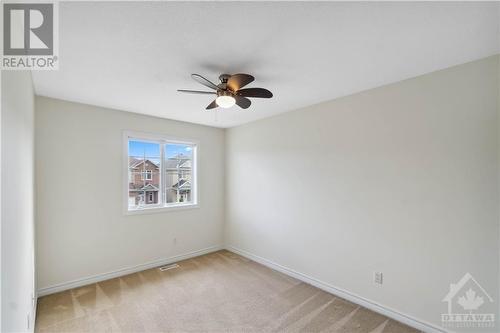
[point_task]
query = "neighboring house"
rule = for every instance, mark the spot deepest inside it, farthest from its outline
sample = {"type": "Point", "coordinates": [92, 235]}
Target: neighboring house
{"type": "Point", "coordinates": [179, 178]}
{"type": "Point", "coordinates": [144, 182]}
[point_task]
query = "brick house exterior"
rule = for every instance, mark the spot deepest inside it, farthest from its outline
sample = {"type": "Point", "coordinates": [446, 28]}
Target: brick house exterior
{"type": "Point", "coordinates": [144, 181]}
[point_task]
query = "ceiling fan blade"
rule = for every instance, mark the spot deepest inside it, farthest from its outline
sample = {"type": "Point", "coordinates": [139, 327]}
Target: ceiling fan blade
{"type": "Point", "coordinates": [238, 81]}
{"type": "Point", "coordinates": [211, 105]}
{"type": "Point", "coordinates": [242, 102]}
{"type": "Point", "coordinates": [197, 92]}
{"type": "Point", "coordinates": [200, 79]}
{"type": "Point", "coordinates": [255, 92]}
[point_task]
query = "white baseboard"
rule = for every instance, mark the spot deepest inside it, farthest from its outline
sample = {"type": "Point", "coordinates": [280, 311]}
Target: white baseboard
{"type": "Point", "coordinates": [374, 306]}
{"type": "Point", "coordinates": [121, 272]}
{"type": "Point", "coordinates": [33, 316]}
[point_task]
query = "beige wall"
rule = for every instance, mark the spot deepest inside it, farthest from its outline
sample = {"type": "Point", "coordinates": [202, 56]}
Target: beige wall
{"type": "Point", "coordinates": [17, 202]}
{"type": "Point", "coordinates": [401, 179]}
{"type": "Point", "coordinates": [81, 228]}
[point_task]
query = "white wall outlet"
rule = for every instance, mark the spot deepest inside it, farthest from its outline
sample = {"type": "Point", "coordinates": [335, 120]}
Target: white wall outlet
{"type": "Point", "coordinates": [174, 240]}
{"type": "Point", "coordinates": [378, 277]}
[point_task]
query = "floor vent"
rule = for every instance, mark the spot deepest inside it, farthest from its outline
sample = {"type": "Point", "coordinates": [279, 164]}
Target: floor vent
{"type": "Point", "coordinates": [166, 268]}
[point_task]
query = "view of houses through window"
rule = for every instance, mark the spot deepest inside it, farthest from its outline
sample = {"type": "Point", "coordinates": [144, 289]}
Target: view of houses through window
{"type": "Point", "coordinates": [159, 173]}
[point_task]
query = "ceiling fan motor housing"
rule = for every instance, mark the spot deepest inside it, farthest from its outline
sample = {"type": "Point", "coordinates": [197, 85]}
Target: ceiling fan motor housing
{"type": "Point", "coordinates": [224, 77]}
{"type": "Point", "coordinates": [223, 81]}
{"type": "Point", "coordinates": [224, 93]}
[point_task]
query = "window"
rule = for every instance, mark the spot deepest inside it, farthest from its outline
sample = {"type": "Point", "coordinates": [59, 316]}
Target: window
{"type": "Point", "coordinates": [161, 172]}
{"type": "Point", "coordinates": [147, 175]}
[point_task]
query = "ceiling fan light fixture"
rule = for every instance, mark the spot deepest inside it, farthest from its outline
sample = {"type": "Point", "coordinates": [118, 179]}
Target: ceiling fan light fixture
{"type": "Point", "coordinates": [225, 101]}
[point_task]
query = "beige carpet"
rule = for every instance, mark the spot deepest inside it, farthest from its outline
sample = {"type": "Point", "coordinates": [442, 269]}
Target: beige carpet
{"type": "Point", "coordinates": [217, 292]}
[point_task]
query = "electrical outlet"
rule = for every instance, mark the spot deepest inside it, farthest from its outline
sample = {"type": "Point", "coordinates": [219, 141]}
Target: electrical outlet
{"type": "Point", "coordinates": [174, 240]}
{"type": "Point", "coordinates": [378, 278]}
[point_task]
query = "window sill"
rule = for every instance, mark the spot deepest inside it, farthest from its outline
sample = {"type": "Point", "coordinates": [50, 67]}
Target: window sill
{"type": "Point", "coordinates": [161, 209]}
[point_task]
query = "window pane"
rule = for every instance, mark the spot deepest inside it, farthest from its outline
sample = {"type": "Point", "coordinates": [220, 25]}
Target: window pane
{"type": "Point", "coordinates": [178, 173]}
{"type": "Point", "coordinates": [144, 174]}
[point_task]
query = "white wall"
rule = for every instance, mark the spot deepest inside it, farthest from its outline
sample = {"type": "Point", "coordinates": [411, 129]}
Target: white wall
{"type": "Point", "coordinates": [400, 179]}
{"type": "Point", "coordinates": [81, 228]}
{"type": "Point", "coordinates": [17, 200]}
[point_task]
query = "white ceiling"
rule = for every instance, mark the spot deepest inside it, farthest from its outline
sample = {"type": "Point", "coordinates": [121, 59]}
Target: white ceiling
{"type": "Point", "coordinates": [132, 56]}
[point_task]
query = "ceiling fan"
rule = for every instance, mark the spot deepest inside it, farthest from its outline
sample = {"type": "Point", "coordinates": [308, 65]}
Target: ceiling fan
{"type": "Point", "coordinates": [229, 91]}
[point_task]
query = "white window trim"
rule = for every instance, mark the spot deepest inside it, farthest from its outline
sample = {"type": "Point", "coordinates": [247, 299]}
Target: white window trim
{"type": "Point", "coordinates": [146, 173]}
{"type": "Point", "coordinates": [159, 208]}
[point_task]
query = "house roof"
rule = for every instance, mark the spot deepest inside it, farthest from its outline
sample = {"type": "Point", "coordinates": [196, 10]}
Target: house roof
{"type": "Point", "coordinates": [179, 161]}
{"type": "Point", "coordinates": [135, 162]}
{"type": "Point", "coordinates": [183, 184]}
{"type": "Point", "coordinates": [149, 187]}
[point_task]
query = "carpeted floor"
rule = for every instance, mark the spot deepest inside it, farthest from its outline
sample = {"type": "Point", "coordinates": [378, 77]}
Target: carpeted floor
{"type": "Point", "coordinates": [217, 292]}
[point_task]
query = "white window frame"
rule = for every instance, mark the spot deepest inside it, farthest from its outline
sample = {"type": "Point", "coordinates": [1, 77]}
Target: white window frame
{"type": "Point", "coordinates": [147, 175]}
{"type": "Point", "coordinates": [162, 206]}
